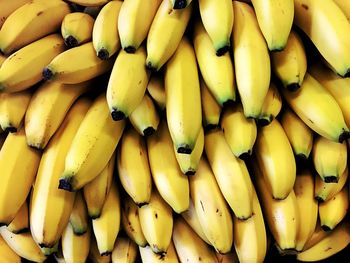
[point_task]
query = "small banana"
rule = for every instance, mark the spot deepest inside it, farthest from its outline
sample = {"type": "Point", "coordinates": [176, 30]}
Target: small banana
{"type": "Point", "coordinates": [147, 255]}
{"type": "Point", "coordinates": [8, 8]}
{"type": "Point", "coordinates": [7, 254]}
{"type": "Point", "coordinates": [211, 110]}
{"type": "Point", "coordinates": [20, 223]}
{"type": "Point", "coordinates": [156, 90]}
{"type": "Point", "coordinates": [79, 217]}
{"type": "Point", "coordinates": [271, 107]}
{"type": "Point", "coordinates": [179, 4]}
{"type": "Point", "coordinates": [125, 251]}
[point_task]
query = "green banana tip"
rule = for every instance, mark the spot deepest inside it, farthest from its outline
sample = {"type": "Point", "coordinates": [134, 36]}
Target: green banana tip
{"type": "Point", "coordinates": [79, 231]}
{"type": "Point", "coordinates": [71, 42]}
{"type": "Point", "coordinates": [180, 4]}
{"type": "Point", "coordinates": [103, 54]}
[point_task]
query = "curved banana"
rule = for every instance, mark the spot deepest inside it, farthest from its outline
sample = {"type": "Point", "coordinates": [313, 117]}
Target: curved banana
{"type": "Point", "coordinates": [316, 236]}
{"type": "Point", "coordinates": [125, 251]}
{"type": "Point", "coordinates": [18, 72]}
{"type": "Point", "coordinates": [7, 254]}
{"type": "Point", "coordinates": [94, 254]}
{"type": "Point", "coordinates": [20, 223]}
{"type": "Point", "coordinates": [165, 34]}
{"type": "Point", "coordinates": [251, 58]}
{"type": "Point", "coordinates": [8, 7]}
{"type": "Point", "coordinates": [271, 107]}
{"type": "Point", "coordinates": [345, 7]}
{"type": "Point", "coordinates": [147, 255]}
{"type": "Point", "coordinates": [156, 90]}
{"type": "Point", "coordinates": [180, 4]}
{"type": "Point", "coordinates": [79, 217]}
{"type": "Point", "coordinates": [90, 2]}
{"type": "Point", "coordinates": [183, 101]}
{"type": "Point", "coordinates": [92, 147]}
{"type": "Point", "coordinates": [211, 110]}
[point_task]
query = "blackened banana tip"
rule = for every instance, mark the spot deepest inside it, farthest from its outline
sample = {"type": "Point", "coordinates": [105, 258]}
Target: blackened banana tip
{"type": "Point", "coordinates": [190, 173]}
{"type": "Point", "coordinates": [293, 87]}
{"type": "Point", "coordinates": [245, 156]}
{"type": "Point", "coordinates": [71, 42]}
{"type": "Point", "coordinates": [263, 122]}
{"type": "Point", "coordinates": [326, 228]}
{"type": "Point", "coordinates": [221, 51]}
{"type": "Point", "coordinates": [184, 149]}
{"type": "Point", "coordinates": [330, 179]}
{"type": "Point", "coordinates": [118, 115]}
{"type": "Point", "coordinates": [11, 129]}
{"type": "Point", "coordinates": [65, 184]}
{"type": "Point", "coordinates": [228, 103]}
{"type": "Point", "coordinates": [103, 54]}
{"type": "Point", "coordinates": [319, 199]}
{"type": "Point", "coordinates": [179, 4]}
{"type": "Point", "coordinates": [344, 136]}
{"type": "Point", "coordinates": [347, 74]}
{"type": "Point", "coordinates": [148, 131]}
{"type": "Point", "coordinates": [151, 67]}
{"type": "Point", "coordinates": [141, 204]}
{"type": "Point", "coordinates": [210, 127]}
{"type": "Point", "coordinates": [130, 49]}
{"type": "Point", "coordinates": [107, 253]}
{"type": "Point", "coordinates": [301, 157]}
{"type": "Point", "coordinates": [47, 74]}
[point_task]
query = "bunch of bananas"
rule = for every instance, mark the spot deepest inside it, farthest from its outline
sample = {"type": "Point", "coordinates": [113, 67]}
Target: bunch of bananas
{"type": "Point", "coordinates": [174, 130]}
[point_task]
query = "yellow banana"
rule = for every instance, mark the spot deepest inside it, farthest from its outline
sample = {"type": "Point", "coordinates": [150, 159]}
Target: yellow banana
{"type": "Point", "coordinates": [211, 110]}
{"type": "Point", "coordinates": [345, 7]}
{"type": "Point", "coordinates": [47, 109]}
{"type": "Point", "coordinates": [271, 107]}
{"type": "Point", "coordinates": [13, 107]}
{"type": "Point", "coordinates": [275, 158]}
{"type": "Point", "coordinates": [31, 22]}
{"type": "Point", "coordinates": [105, 35]}
{"type": "Point", "coordinates": [8, 7]}
{"type": "Point", "coordinates": [231, 174]}
{"type": "Point", "coordinates": [145, 118]}
{"type": "Point", "coordinates": [316, 236]}
{"type": "Point", "coordinates": [125, 251]}
{"type": "Point", "coordinates": [251, 58]}
{"type": "Point", "coordinates": [18, 72]}
{"type": "Point", "coordinates": [20, 223]}
{"type": "Point", "coordinates": [156, 90]}
{"type": "Point", "coordinates": [180, 4]}
{"type": "Point", "coordinates": [7, 254]}
{"type": "Point", "coordinates": [133, 167]}
{"type": "Point", "coordinates": [165, 34]}
{"type": "Point", "coordinates": [217, 71]}
{"type": "Point", "coordinates": [156, 221]}
{"type": "Point", "coordinates": [92, 146]}
{"type": "Point", "coordinates": [240, 132]}
{"type": "Point", "coordinates": [211, 208]}
{"type": "Point", "coordinates": [17, 174]}
{"type": "Point", "coordinates": [79, 216]}
{"type": "Point", "coordinates": [183, 101]}
{"type": "Point", "coordinates": [94, 254]}
{"type": "Point", "coordinates": [322, 21]}
{"type": "Point", "coordinates": [290, 64]}
{"type": "Point", "coordinates": [147, 255]}
{"type": "Point", "coordinates": [90, 2]}
{"type": "Point", "coordinates": [171, 183]}
{"type": "Point", "coordinates": [76, 29]}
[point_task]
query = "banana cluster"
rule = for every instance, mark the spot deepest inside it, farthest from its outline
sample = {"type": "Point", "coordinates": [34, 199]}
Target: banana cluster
{"type": "Point", "coordinates": [173, 130]}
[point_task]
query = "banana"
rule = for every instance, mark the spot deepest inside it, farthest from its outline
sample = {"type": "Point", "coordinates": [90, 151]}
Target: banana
{"type": "Point", "coordinates": [131, 222]}
{"type": "Point", "coordinates": [105, 35]}
{"type": "Point", "coordinates": [251, 58]}
{"type": "Point", "coordinates": [23, 245]}
{"type": "Point", "coordinates": [189, 162]}
{"type": "Point", "coordinates": [79, 216]}
{"type": "Point", "coordinates": [20, 223]}
{"type": "Point", "coordinates": [180, 4]}
{"type": "Point", "coordinates": [336, 241]}
{"type": "Point", "coordinates": [17, 174]}
{"type": "Point", "coordinates": [76, 29]}
{"type": "Point", "coordinates": [317, 236]}
{"type": "Point", "coordinates": [125, 251]}
{"type": "Point", "coordinates": [304, 189]}
{"type": "Point", "coordinates": [13, 107]}
{"type": "Point", "coordinates": [47, 109]}
{"type": "Point", "coordinates": [31, 22]}
{"type": "Point", "coordinates": [231, 174]}
{"type": "Point", "coordinates": [217, 71]}
{"type": "Point", "coordinates": [50, 208]}
{"type": "Point", "coordinates": [300, 136]}
{"type": "Point", "coordinates": [94, 254]}
{"type": "Point", "coordinates": [90, 2]}
{"type": "Point", "coordinates": [106, 227]}
{"type": "Point", "coordinates": [183, 101]}
{"type": "Point", "coordinates": [290, 64]}
{"type": "Point", "coordinates": [92, 146]}
{"type": "Point", "coordinates": [125, 93]}
{"type": "Point", "coordinates": [322, 114]}
{"type": "Point", "coordinates": [15, 74]}
{"type": "Point", "coordinates": [165, 34]}
{"type": "Point", "coordinates": [76, 65]}
{"type": "Point", "coordinates": [134, 22]}
{"type": "Point", "coordinates": [249, 236]}
{"type": "Point", "coordinates": [271, 107]}
{"type": "Point", "coordinates": [333, 211]}
{"type": "Point", "coordinates": [275, 20]}
{"type": "Point", "coordinates": [189, 246]}
{"type": "Point", "coordinates": [345, 7]}
{"type": "Point", "coordinates": [96, 191]}
{"type": "Point", "coordinates": [7, 254]}
{"type": "Point", "coordinates": [171, 183]}
{"type": "Point", "coordinates": [145, 118]}
{"type": "Point", "coordinates": [275, 158]}
{"type": "Point", "coordinates": [8, 7]}
{"type": "Point", "coordinates": [211, 110]}
{"type": "Point", "coordinates": [212, 211]}
{"type": "Point", "coordinates": [156, 222]}
{"type": "Point", "coordinates": [133, 167]}
{"type": "Point", "coordinates": [326, 191]}
{"type": "Point", "coordinates": [156, 90]}
{"type": "Point", "coordinates": [322, 21]}
{"type": "Point", "coordinates": [240, 133]}
{"type": "Point", "coordinates": [147, 255]}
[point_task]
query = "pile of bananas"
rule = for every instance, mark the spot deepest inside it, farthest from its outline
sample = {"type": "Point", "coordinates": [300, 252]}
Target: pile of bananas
{"type": "Point", "coordinates": [174, 130]}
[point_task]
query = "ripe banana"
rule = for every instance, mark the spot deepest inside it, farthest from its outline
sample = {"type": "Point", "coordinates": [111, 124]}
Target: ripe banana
{"type": "Point", "coordinates": [13, 107]}
{"type": "Point", "coordinates": [76, 65]}
{"type": "Point", "coordinates": [276, 161]}
{"type": "Point", "coordinates": [179, 4]}
{"type": "Point", "coordinates": [217, 71]}
{"type": "Point", "coordinates": [231, 174]}
{"type": "Point", "coordinates": [76, 29]}
{"type": "Point", "coordinates": [127, 83]}
{"type": "Point", "coordinates": [133, 168]}
{"type": "Point", "coordinates": [271, 107]}
{"type": "Point", "coordinates": [20, 223]}
{"type": "Point", "coordinates": [94, 254]}
{"type": "Point", "coordinates": [345, 7]}
{"type": "Point", "coordinates": [240, 132]}
{"type": "Point", "coordinates": [134, 21]}
{"type": "Point", "coordinates": [183, 101]}
{"type": "Point", "coordinates": [17, 174]}
{"type": "Point", "coordinates": [156, 221]}
{"type": "Point", "coordinates": [145, 118]}
{"type": "Point", "coordinates": [92, 146]}
{"type": "Point", "coordinates": [50, 208]}
{"type": "Point", "coordinates": [211, 110]}
{"type": "Point", "coordinates": [322, 21]}
{"type": "Point", "coordinates": [7, 254]}
{"type": "Point", "coordinates": [147, 255]}
{"type": "Point", "coordinates": [321, 113]}
{"type": "Point", "coordinates": [47, 109]}
{"type": "Point", "coordinates": [251, 58]}
{"type": "Point", "coordinates": [79, 217]}
{"type": "Point", "coordinates": [156, 90]}
{"type": "Point", "coordinates": [8, 7]}
{"type": "Point", "coordinates": [290, 64]}
{"type": "Point", "coordinates": [105, 35]}
{"type": "Point", "coordinates": [125, 251]}
{"type": "Point", "coordinates": [15, 74]}
{"type": "Point", "coordinates": [171, 183]}
{"type": "Point", "coordinates": [165, 34]}
{"type": "Point", "coordinates": [211, 208]}
{"type": "Point", "coordinates": [31, 22]}
{"type": "Point", "coordinates": [317, 236]}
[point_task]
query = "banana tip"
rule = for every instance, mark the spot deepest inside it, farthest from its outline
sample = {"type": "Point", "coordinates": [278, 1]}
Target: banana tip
{"type": "Point", "coordinates": [180, 4]}
{"type": "Point", "coordinates": [245, 156]}
{"type": "Point", "coordinates": [103, 54]}
{"type": "Point", "coordinates": [130, 49]}
{"type": "Point", "coordinates": [331, 179]}
{"type": "Point", "coordinates": [107, 253]}
{"type": "Point", "coordinates": [184, 149]}
{"type": "Point", "coordinates": [326, 228]}
{"type": "Point", "coordinates": [344, 136]}
{"type": "Point", "coordinates": [293, 87]}
{"type": "Point", "coordinates": [347, 74]}
{"type": "Point", "coordinates": [210, 127]}
{"type": "Point", "coordinates": [117, 115]}
{"type": "Point", "coordinates": [148, 131]}
{"type": "Point", "coordinates": [65, 184]}
{"type": "Point", "coordinates": [71, 42]}
{"type": "Point", "coordinates": [264, 121]}
{"type": "Point", "coordinates": [151, 67]}
{"type": "Point", "coordinates": [222, 50]}
{"type": "Point", "coordinates": [10, 129]}
{"type": "Point", "coordinates": [190, 172]}
{"type": "Point", "coordinates": [47, 74]}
